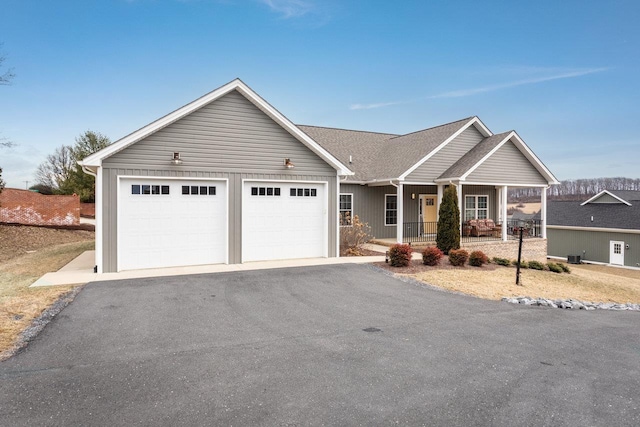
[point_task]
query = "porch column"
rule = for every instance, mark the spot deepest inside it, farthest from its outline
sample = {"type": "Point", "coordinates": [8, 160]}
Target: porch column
{"type": "Point", "coordinates": [439, 200]}
{"type": "Point", "coordinates": [504, 191]}
{"type": "Point", "coordinates": [543, 212]}
{"type": "Point", "coordinates": [460, 206]}
{"type": "Point", "coordinates": [400, 212]}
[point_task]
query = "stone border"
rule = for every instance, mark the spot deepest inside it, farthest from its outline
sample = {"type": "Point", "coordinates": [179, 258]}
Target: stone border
{"type": "Point", "coordinates": [572, 304]}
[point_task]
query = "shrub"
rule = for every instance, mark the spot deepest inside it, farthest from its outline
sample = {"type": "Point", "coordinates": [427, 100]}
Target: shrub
{"type": "Point", "coordinates": [458, 257]}
{"type": "Point", "coordinates": [478, 259]}
{"type": "Point", "coordinates": [523, 264]}
{"type": "Point", "coordinates": [352, 237]}
{"type": "Point", "coordinates": [552, 266]}
{"type": "Point", "coordinates": [564, 267]}
{"type": "Point", "coordinates": [448, 236]}
{"type": "Point", "coordinates": [400, 255]}
{"type": "Point", "coordinates": [501, 261]}
{"type": "Point", "coordinates": [535, 265]}
{"type": "Point", "coordinates": [431, 256]}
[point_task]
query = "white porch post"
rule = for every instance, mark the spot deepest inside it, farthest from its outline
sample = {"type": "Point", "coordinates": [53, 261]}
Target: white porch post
{"type": "Point", "coordinates": [400, 212]}
{"type": "Point", "coordinates": [504, 191]}
{"type": "Point", "coordinates": [543, 212]}
{"type": "Point", "coordinates": [439, 200]}
{"type": "Point", "coordinates": [460, 206]}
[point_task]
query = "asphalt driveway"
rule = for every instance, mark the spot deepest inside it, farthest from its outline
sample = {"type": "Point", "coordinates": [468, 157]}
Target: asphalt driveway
{"type": "Point", "coordinates": [331, 345]}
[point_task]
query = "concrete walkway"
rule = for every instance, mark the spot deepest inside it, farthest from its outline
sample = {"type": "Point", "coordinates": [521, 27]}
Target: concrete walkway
{"type": "Point", "coordinates": [80, 270]}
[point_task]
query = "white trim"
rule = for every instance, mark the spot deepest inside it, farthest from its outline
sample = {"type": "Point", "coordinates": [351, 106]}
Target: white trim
{"type": "Point", "coordinates": [384, 212]}
{"type": "Point", "coordinates": [543, 212]}
{"type": "Point", "coordinates": [496, 184]}
{"type": "Point", "coordinates": [474, 120]}
{"type": "Point", "coordinates": [340, 210]}
{"type": "Point", "coordinates": [504, 198]}
{"type": "Point", "coordinates": [400, 213]}
{"type": "Point", "coordinates": [97, 158]}
{"type": "Point", "coordinates": [598, 229]}
{"type": "Point", "coordinates": [337, 220]}
{"type": "Point", "coordinates": [476, 196]}
{"type": "Point", "coordinates": [418, 183]}
{"type": "Point", "coordinates": [325, 184]}
{"type": "Point", "coordinates": [600, 194]}
{"type": "Point", "coordinates": [166, 178]}
{"type": "Point", "coordinates": [99, 221]}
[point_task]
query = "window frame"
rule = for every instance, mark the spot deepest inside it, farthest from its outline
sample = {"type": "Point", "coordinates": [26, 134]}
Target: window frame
{"type": "Point", "coordinates": [350, 210]}
{"type": "Point", "coordinates": [390, 210]}
{"type": "Point", "coordinates": [476, 207]}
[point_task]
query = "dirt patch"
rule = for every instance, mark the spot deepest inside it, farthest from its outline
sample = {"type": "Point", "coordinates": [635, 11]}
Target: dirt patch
{"type": "Point", "coordinates": [18, 240]}
{"type": "Point", "coordinates": [363, 252]}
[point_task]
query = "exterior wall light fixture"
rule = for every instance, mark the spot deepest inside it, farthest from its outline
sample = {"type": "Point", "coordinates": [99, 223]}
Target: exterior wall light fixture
{"type": "Point", "coordinates": [288, 164]}
{"type": "Point", "coordinates": [176, 160]}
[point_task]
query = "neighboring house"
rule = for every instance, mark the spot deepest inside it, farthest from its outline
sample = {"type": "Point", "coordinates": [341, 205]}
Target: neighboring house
{"type": "Point", "coordinates": [229, 179]}
{"type": "Point", "coordinates": [602, 229]}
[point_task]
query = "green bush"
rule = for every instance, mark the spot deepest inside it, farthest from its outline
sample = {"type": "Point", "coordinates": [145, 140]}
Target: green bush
{"type": "Point", "coordinates": [431, 256]}
{"type": "Point", "coordinates": [523, 264]}
{"type": "Point", "coordinates": [458, 257]}
{"type": "Point", "coordinates": [400, 255]}
{"type": "Point", "coordinates": [535, 265]}
{"type": "Point", "coordinates": [564, 267]}
{"type": "Point", "coordinates": [448, 236]}
{"type": "Point", "coordinates": [478, 259]}
{"type": "Point", "coordinates": [501, 261]}
{"type": "Point", "coordinates": [552, 266]}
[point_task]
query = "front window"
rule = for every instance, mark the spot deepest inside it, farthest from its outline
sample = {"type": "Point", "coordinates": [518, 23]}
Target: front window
{"type": "Point", "coordinates": [390, 209]}
{"type": "Point", "coordinates": [476, 207]}
{"type": "Point", "coordinates": [346, 209]}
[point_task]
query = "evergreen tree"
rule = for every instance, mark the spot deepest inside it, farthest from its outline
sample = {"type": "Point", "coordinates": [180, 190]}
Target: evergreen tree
{"type": "Point", "coordinates": [448, 237]}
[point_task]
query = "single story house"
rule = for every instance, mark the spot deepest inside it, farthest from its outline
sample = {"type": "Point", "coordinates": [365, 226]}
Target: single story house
{"type": "Point", "coordinates": [228, 179]}
{"type": "Point", "coordinates": [603, 229]}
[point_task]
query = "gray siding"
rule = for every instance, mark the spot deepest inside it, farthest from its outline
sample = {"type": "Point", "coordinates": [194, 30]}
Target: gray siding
{"type": "Point", "coordinates": [229, 138]}
{"type": "Point", "coordinates": [507, 165]}
{"type": "Point", "coordinates": [447, 156]}
{"type": "Point", "coordinates": [606, 198]}
{"type": "Point", "coordinates": [368, 204]}
{"type": "Point", "coordinates": [595, 244]}
{"type": "Point", "coordinates": [229, 134]}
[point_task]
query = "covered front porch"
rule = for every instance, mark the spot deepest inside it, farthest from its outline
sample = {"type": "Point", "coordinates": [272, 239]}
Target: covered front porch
{"type": "Point", "coordinates": [483, 213]}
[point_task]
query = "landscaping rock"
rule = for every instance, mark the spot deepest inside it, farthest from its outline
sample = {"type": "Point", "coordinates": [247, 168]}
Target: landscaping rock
{"type": "Point", "coordinates": [571, 304]}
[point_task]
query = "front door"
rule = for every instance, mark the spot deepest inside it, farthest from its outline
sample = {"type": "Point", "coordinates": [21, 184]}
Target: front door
{"type": "Point", "coordinates": [616, 252]}
{"type": "Point", "coordinates": [428, 213]}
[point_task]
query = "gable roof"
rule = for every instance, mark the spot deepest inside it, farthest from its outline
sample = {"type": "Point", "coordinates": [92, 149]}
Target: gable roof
{"type": "Point", "coordinates": [605, 215]}
{"type": "Point", "coordinates": [487, 147]}
{"type": "Point", "coordinates": [384, 156]}
{"type": "Point", "coordinates": [621, 196]}
{"type": "Point", "coordinates": [95, 160]}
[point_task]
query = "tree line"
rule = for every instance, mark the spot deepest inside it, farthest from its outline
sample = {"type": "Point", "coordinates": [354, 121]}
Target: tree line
{"type": "Point", "coordinates": [576, 189]}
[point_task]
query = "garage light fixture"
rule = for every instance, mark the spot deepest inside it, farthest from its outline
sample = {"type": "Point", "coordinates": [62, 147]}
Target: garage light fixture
{"type": "Point", "coordinates": [288, 164]}
{"type": "Point", "coordinates": [176, 160]}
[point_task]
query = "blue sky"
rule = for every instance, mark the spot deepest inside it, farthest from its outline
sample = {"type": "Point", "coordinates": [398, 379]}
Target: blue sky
{"type": "Point", "coordinates": [563, 74]}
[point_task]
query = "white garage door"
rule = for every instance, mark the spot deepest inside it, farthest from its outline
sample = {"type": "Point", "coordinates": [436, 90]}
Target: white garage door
{"type": "Point", "coordinates": [169, 223]}
{"type": "Point", "coordinates": [283, 220]}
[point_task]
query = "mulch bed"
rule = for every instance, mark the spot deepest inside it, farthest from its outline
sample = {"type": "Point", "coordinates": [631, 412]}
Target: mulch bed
{"type": "Point", "coordinates": [417, 266]}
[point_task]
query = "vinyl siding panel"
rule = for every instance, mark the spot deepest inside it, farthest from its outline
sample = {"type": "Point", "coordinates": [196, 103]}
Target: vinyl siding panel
{"type": "Point", "coordinates": [591, 245]}
{"type": "Point", "coordinates": [368, 204]}
{"type": "Point", "coordinates": [230, 134]}
{"type": "Point", "coordinates": [447, 156]}
{"type": "Point", "coordinates": [110, 208]}
{"type": "Point", "coordinates": [507, 165]}
{"type": "Point", "coordinates": [607, 199]}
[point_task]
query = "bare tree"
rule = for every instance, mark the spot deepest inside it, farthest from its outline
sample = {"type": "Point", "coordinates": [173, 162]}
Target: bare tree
{"type": "Point", "coordinates": [8, 75]}
{"type": "Point", "coordinates": [55, 171]}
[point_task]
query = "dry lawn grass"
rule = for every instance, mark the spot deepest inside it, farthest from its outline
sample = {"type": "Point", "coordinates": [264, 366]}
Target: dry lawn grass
{"type": "Point", "coordinates": [528, 208]}
{"type": "Point", "coordinates": [19, 304]}
{"type": "Point", "coordinates": [586, 283]}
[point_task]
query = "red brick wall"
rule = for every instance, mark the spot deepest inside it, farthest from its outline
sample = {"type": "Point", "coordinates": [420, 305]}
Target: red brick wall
{"type": "Point", "coordinates": [88, 210]}
{"type": "Point", "coordinates": [27, 207]}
